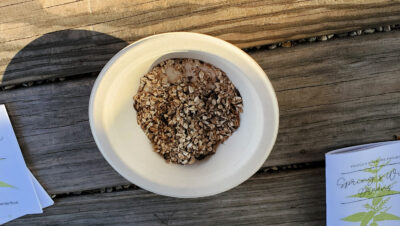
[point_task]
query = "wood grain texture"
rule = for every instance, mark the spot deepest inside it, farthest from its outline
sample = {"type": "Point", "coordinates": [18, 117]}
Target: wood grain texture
{"type": "Point", "coordinates": [106, 25]}
{"type": "Point", "coordinates": [334, 94]}
{"type": "Point", "coordinates": [284, 198]}
{"type": "Point", "coordinates": [51, 124]}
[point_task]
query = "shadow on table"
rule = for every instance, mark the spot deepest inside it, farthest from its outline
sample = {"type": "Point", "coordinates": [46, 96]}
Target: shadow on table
{"type": "Point", "coordinates": [60, 54]}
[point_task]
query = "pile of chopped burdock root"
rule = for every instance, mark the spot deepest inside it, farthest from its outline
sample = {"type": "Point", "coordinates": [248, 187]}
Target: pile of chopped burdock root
{"type": "Point", "coordinates": [187, 108]}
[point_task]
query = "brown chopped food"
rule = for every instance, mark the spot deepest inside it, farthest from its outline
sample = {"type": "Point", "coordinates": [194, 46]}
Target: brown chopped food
{"type": "Point", "coordinates": [187, 108]}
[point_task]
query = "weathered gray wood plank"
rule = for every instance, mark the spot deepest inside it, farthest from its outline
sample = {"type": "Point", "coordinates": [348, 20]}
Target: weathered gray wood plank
{"type": "Point", "coordinates": [51, 123]}
{"type": "Point", "coordinates": [283, 198]}
{"type": "Point", "coordinates": [104, 25]}
{"type": "Point", "coordinates": [333, 94]}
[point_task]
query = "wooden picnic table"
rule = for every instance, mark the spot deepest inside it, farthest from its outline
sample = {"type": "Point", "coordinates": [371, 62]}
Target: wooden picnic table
{"type": "Point", "coordinates": [335, 66]}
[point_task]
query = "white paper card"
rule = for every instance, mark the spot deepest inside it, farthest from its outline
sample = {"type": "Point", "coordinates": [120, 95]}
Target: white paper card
{"type": "Point", "coordinates": [44, 199]}
{"type": "Point", "coordinates": [363, 185]}
{"type": "Point", "coordinates": [20, 192]}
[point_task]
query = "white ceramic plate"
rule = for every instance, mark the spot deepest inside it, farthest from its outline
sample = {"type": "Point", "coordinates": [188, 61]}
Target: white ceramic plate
{"type": "Point", "coordinates": [125, 146]}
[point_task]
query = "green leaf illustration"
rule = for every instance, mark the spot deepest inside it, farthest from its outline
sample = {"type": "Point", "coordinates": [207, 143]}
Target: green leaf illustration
{"type": "Point", "coordinates": [383, 203]}
{"type": "Point", "coordinates": [366, 195]}
{"type": "Point", "coordinates": [369, 195]}
{"type": "Point", "coordinates": [367, 218]}
{"type": "Point", "coordinates": [388, 192]}
{"type": "Point", "coordinates": [386, 216]}
{"type": "Point", "coordinates": [383, 165]}
{"type": "Point", "coordinates": [357, 217]}
{"type": "Point", "coordinates": [367, 206]}
{"type": "Point", "coordinates": [376, 201]}
{"type": "Point", "coordinates": [5, 185]}
{"type": "Point", "coordinates": [369, 170]}
{"type": "Point", "coordinates": [373, 224]}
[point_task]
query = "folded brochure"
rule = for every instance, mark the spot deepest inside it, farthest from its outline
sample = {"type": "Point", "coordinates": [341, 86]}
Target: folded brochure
{"type": "Point", "coordinates": [363, 185]}
{"type": "Point", "coordinates": [20, 192]}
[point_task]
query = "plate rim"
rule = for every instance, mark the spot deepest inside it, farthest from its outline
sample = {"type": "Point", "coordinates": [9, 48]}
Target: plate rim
{"type": "Point", "coordinates": [145, 183]}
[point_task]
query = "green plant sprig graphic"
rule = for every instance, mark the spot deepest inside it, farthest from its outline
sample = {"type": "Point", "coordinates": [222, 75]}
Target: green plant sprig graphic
{"type": "Point", "coordinates": [4, 184]}
{"type": "Point", "coordinates": [378, 209]}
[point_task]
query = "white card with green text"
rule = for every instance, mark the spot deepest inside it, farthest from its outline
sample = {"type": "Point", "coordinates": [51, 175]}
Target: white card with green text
{"type": "Point", "coordinates": [363, 185]}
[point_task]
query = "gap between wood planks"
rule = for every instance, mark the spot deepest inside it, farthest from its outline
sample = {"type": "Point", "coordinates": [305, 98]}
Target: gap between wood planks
{"type": "Point", "coordinates": [262, 170]}
{"type": "Point", "coordinates": [285, 198]}
{"type": "Point", "coordinates": [287, 44]}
